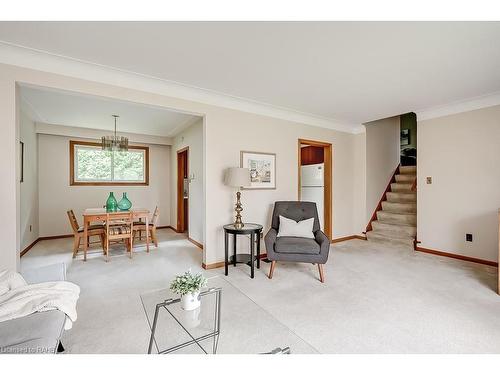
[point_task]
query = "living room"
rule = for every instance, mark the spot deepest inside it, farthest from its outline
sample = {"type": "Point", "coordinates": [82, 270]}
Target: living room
{"type": "Point", "coordinates": [278, 271]}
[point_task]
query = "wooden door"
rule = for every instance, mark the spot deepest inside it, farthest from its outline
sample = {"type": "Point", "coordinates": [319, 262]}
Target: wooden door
{"type": "Point", "coordinates": [312, 155]}
{"type": "Point", "coordinates": [182, 197]}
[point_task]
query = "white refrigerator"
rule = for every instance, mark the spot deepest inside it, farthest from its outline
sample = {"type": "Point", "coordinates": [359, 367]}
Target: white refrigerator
{"type": "Point", "coordinates": [312, 187]}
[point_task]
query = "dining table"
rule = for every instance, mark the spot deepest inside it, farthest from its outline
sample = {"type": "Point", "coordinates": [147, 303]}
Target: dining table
{"type": "Point", "coordinates": [99, 215]}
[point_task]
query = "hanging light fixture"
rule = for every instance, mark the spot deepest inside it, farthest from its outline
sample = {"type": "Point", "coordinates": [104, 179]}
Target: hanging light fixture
{"type": "Point", "coordinates": [114, 142]}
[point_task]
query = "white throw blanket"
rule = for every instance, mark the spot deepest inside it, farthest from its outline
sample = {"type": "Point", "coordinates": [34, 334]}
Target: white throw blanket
{"type": "Point", "coordinates": [18, 299]}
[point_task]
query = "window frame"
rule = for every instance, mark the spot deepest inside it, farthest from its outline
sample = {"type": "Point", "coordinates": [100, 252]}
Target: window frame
{"type": "Point", "coordinates": [74, 182]}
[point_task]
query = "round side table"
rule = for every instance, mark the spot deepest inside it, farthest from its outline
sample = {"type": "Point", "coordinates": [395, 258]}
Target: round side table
{"type": "Point", "coordinates": [254, 230]}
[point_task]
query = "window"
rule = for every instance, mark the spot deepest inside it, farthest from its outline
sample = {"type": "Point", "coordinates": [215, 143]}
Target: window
{"type": "Point", "coordinates": [90, 165]}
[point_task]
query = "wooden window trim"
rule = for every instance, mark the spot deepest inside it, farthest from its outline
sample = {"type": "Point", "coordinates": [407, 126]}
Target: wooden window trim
{"type": "Point", "coordinates": [72, 181]}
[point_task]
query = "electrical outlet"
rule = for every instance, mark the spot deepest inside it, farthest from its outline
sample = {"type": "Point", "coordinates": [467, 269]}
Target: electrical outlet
{"type": "Point", "coordinates": [468, 237]}
{"type": "Point", "coordinates": [428, 180]}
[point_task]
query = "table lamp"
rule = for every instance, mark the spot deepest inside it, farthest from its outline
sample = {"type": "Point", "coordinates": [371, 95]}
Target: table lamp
{"type": "Point", "coordinates": [238, 178]}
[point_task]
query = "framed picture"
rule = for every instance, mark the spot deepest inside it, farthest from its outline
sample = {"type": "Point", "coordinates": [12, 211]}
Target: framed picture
{"type": "Point", "coordinates": [21, 161]}
{"type": "Point", "coordinates": [262, 167]}
{"type": "Point", "coordinates": [405, 137]}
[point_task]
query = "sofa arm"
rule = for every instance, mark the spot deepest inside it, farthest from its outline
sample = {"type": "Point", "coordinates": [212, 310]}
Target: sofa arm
{"type": "Point", "coordinates": [270, 240]}
{"type": "Point", "coordinates": [53, 272]}
{"type": "Point", "coordinates": [324, 243]}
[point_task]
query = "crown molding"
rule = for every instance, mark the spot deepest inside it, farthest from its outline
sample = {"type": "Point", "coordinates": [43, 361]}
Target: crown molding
{"type": "Point", "coordinates": [93, 133]}
{"type": "Point", "coordinates": [465, 105]}
{"type": "Point", "coordinates": [17, 55]}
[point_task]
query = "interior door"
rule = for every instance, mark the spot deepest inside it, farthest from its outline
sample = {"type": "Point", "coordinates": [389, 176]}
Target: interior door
{"type": "Point", "coordinates": [182, 193]}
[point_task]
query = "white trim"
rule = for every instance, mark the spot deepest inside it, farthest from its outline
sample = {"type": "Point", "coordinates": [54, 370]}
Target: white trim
{"type": "Point", "coordinates": [13, 54]}
{"type": "Point", "coordinates": [91, 133]}
{"type": "Point", "coordinates": [465, 105]}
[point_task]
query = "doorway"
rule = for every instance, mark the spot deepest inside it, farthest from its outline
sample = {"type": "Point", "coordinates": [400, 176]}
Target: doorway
{"type": "Point", "coordinates": [315, 179]}
{"type": "Point", "coordinates": [408, 139]}
{"type": "Point", "coordinates": [182, 190]}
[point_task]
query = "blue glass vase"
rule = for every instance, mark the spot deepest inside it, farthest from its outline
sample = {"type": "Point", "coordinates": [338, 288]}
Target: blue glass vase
{"type": "Point", "coordinates": [111, 203]}
{"type": "Point", "coordinates": [124, 204]}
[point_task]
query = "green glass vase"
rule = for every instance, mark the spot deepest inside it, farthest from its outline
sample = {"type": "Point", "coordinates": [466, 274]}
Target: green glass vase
{"type": "Point", "coordinates": [111, 203]}
{"type": "Point", "coordinates": [125, 204]}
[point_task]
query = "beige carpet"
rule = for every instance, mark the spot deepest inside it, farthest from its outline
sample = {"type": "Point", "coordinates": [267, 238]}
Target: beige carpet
{"type": "Point", "coordinates": [376, 299]}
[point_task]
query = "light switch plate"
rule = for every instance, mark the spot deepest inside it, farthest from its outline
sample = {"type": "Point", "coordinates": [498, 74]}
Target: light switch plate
{"type": "Point", "coordinates": [428, 180]}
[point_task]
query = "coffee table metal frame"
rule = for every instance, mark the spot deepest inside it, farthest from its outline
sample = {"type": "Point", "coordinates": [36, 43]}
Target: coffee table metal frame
{"type": "Point", "coordinates": [194, 340]}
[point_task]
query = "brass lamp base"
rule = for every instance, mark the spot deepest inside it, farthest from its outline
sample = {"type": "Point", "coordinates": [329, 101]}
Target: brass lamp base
{"type": "Point", "coordinates": [238, 224]}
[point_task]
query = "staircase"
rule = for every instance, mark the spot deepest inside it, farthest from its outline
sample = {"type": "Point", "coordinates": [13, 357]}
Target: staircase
{"type": "Point", "coordinates": [396, 221]}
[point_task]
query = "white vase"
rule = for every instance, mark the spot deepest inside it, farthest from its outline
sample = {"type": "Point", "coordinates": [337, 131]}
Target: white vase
{"type": "Point", "coordinates": [190, 318]}
{"type": "Point", "coordinates": [190, 301]}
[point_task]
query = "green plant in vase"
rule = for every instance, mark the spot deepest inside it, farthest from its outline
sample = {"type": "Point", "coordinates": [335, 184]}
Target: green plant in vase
{"type": "Point", "coordinates": [189, 286]}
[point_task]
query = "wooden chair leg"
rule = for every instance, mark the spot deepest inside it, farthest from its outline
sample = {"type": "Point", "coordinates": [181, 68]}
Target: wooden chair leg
{"type": "Point", "coordinates": [321, 273]}
{"type": "Point", "coordinates": [101, 236]}
{"type": "Point", "coordinates": [129, 240]}
{"type": "Point", "coordinates": [153, 236]}
{"type": "Point", "coordinates": [76, 245]}
{"type": "Point", "coordinates": [107, 249]}
{"type": "Point", "coordinates": [271, 270]}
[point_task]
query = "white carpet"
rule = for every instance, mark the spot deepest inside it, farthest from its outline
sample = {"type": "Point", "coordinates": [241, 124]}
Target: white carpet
{"type": "Point", "coordinates": [376, 299]}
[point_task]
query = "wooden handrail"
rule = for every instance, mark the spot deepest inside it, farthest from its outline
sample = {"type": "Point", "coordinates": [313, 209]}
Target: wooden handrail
{"type": "Point", "coordinates": [379, 206]}
{"type": "Point", "coordinates": [414, 185]}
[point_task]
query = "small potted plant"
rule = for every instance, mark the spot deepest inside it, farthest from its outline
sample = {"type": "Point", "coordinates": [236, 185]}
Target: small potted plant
{"type": "Point", "coordinates": [188, 286]}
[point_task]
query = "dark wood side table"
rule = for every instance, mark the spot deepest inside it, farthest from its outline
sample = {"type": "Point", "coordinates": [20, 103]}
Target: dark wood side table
{"type": "Point", "coordinates": [254, 230]}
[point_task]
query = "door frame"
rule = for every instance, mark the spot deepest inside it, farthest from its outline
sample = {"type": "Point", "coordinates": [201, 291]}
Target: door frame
{"type": "Point", "coordinates": [180, 192]}
{"type": "Point", "coordinates": [328, 156]}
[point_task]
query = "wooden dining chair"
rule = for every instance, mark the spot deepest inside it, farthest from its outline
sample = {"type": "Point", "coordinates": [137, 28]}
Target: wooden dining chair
{"type": "Point", "coordinates": [119, 227]}
{"type": "Point", "coordinates": [93, 230]}
{"type": "Point", "coordinates": [140, 226]}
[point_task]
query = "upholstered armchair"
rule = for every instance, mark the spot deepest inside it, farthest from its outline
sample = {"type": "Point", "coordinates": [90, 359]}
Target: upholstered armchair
{"type": "Point", "coordinates": [296, 249]}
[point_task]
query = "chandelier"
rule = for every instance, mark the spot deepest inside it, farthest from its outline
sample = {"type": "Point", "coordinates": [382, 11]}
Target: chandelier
{"type": "Point", "coordinates": [114, 142]}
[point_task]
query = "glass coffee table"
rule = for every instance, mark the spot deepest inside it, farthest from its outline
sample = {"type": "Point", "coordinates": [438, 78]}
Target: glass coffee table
{"type": "Point", "coordinates": [227, 322]}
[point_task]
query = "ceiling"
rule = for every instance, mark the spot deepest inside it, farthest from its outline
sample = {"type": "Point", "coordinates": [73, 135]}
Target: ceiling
{"type": "Point", "coordinates": [71, 109]}
{"type": "Point", "coordinates": [347, 71]}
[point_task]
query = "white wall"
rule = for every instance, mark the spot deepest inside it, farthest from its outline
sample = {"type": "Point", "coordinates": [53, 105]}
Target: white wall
{"type": "Point", "coordinates": [382, 158]}
{"type": "Point", "coordinates": [226, 133]}
{"type": "Point", "coordinates": [56, 196]}
{"type": "Point", "coordinates": [10, 188]}
{"type": "Point", "coordinates": [192, 137]}
{"type": "Point", "coordinates": [461, 153]}
{"type": "Point", "coordinates": [29, 187]}
{"type": "Point", "coordinates": [230, 132]}
{"type": "Point", "coordinates": [359, 184]}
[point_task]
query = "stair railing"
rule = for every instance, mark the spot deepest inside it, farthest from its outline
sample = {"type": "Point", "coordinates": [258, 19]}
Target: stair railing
{"type": "Point", "coordinates": [384, 196]}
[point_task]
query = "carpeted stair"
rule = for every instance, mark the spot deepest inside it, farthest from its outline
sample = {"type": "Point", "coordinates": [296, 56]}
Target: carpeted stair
{"type": "Point", "coordinates": [396, 223]}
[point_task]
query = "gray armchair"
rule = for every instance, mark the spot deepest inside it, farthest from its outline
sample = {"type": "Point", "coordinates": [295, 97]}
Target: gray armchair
{"type": "Point", "coordinates": [297, 249]}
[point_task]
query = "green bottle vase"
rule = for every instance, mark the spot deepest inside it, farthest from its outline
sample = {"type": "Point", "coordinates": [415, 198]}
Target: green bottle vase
{"type": "Point", "coordinates": [111, 203]}
{"type": "Point", "coordinates": [124, 204]}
